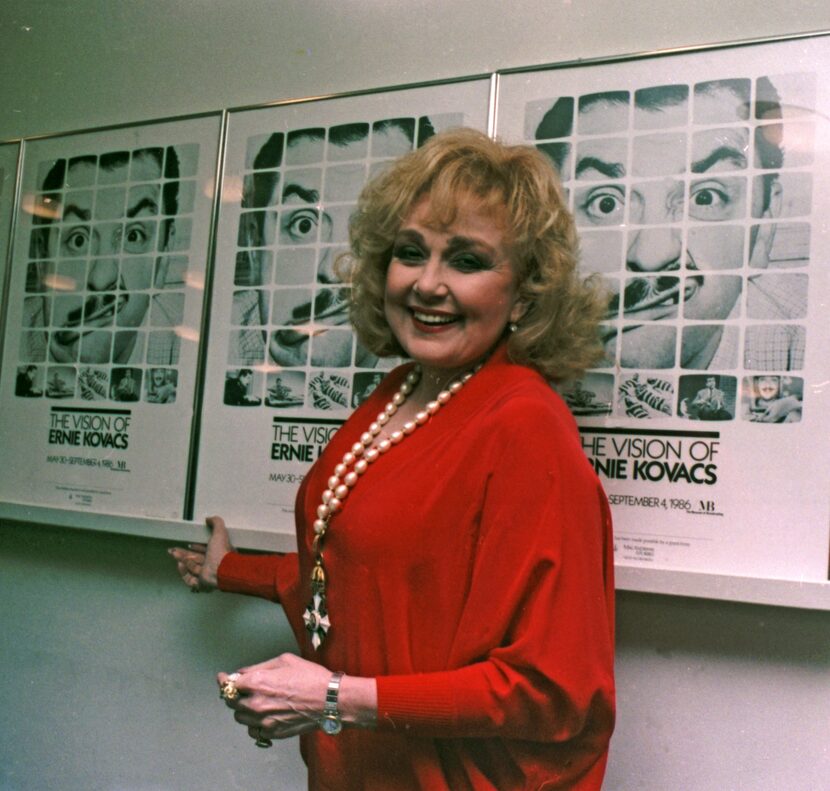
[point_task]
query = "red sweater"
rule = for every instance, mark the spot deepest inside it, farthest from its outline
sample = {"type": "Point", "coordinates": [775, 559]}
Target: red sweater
{"type": "Point", "coordinates": [471, 573]}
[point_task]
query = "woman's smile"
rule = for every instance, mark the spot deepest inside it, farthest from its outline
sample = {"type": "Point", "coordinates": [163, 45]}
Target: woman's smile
{"type": "Point", "coordinates": [433, 321]}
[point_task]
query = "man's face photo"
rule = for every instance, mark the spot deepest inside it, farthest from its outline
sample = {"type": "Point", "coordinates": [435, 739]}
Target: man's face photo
{"type": "Point", "coordinates": [105, 229]}
{"type": "Point", "coordinates": [102, 247]}
{"type": "Point", "coordinates": [652, 186]}
{"type": "Point", "coordinates": [107, 268]}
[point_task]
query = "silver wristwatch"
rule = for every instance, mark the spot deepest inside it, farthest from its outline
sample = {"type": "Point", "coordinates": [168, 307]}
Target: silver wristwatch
{"type": "Point", "coordinates": [331, 722]}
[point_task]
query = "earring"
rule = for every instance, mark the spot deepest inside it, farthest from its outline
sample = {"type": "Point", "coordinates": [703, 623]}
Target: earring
{"type": "Point", "coordinates": [512, 326]}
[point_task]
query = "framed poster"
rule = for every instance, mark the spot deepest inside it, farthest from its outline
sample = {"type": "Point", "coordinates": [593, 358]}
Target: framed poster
{"type": "Point", "coordinates": [284, 369]}
{"type": "Point", "coordinates": [9, 154]}
{"type": "Point", "coordinates": [699, 183]}
{"type": "Point", "coordinates": [104, 307]}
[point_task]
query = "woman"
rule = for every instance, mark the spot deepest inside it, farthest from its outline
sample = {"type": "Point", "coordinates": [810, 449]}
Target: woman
{"type": "Point", "coordinates": [455, 553]}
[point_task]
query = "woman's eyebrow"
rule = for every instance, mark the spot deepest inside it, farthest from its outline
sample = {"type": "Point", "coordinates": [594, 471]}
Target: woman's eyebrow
{"type": "Point", "coordinates": [408, 234]}
{"type": "Point", "coordinates": [457, 243]}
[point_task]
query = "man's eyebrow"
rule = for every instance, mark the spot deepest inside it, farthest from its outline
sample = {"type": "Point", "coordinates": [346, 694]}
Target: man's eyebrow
{"type": "Point", "coordinates": [305, 195]}
{"type": "Point", "coordinates": [720, 154]}
{"type": "Point", "coordinates": [144, 203]}
{"type": "Point", "coordinates": [81, 214]}
{"type": "Point", "coordinates": [613, 170]}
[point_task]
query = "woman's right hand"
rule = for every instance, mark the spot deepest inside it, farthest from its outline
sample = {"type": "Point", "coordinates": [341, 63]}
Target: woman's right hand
{"type": "Point", "coordinates": [198, 563]}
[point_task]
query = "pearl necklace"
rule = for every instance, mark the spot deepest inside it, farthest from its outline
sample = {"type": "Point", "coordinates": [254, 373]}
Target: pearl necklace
{"type": "Point", "coordinates": [346, 475]}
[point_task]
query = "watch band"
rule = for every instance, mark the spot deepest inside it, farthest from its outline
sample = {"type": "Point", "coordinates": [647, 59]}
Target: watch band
{"type": "Point", "coordinates": [331, 722]}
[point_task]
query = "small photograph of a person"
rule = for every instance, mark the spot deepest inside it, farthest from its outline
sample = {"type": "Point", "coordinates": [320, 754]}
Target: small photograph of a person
{"type": "Point", "coordinates": [125, 384]}
{"type": "Point", "coordinates": [161, 385]}
{"type": "Point", "coordinates": [105, 285]}
{"type": "Point", "coordinates": [452, 594]}
{"type": "Point", "coordinates": [60, 381]}
{"type": "Point", "coordinates": [772, 398]}
{"type": "Point", "coordinates": [645, 397]}
{"type": "Point", "coordinates": [27, 384]}
{"type": "Point", "coordinates": [364, 384]}
{"type": "Point", "coordinates": [284, 389]}
{"type": "Point", "coordinates": [239, 388]}
{"type": "Point", "coordinates": [709, 397]}
{"type": "Point", "coordinates": [591, 395]}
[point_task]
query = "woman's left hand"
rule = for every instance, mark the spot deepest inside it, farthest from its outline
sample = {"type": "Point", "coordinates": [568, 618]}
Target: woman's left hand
{"type": "Point", "coordinates": [279, 698]}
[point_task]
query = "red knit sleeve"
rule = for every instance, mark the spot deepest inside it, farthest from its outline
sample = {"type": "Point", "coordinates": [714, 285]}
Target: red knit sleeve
{"type": "Point", "coordinates": [538, 619]}
{"type": "Point", "coordinates": [266, 576]}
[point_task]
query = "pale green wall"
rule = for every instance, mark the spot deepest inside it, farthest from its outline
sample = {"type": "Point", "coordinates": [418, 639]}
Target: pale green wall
{"type": "Point", "coordinates": [108, 663]}
{"type": "Point", "coordinates": [108, 668]}
{"type": "Point", "coordinates": [84, 63]}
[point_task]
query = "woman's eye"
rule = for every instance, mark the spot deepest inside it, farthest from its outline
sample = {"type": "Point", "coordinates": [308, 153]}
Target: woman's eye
{"type": "Point", "coordinates": [301, 226]}
{"type": "Point", "coordinates": [408, 253]}
{"type": "Point", "coordinates": [603, 206]}
{"type": "Point", "coordinates": [469, 263]}
{"type": "Point", "coordinates": [76, 241]}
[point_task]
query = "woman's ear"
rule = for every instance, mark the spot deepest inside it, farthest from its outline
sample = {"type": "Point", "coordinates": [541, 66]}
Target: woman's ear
{"type": "Point", "coordinates": [518, 310]}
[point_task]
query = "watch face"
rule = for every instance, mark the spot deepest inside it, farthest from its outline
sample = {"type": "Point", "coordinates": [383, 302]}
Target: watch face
{"type": "Point", "coordinates": [331, 725]}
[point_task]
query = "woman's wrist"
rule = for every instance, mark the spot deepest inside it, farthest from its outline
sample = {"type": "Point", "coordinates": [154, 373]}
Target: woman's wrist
{"type": "Point", "coordinates": [358, 701]}
{"type": "Point", "coordinates": [211, 570]}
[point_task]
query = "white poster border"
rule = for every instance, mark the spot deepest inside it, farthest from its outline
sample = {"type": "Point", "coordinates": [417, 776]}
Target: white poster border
{"type": "Point", "coordinates": [104, 308]}
{"type": "Point", "coordinates": [296, 384]}
{"type": "Point", "coordinates": [739, 510]}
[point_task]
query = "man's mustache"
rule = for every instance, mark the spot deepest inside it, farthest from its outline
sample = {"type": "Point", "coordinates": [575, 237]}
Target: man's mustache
{"type": "Point", "coordinates": [94, 308]}
{"type": "Point", "coordinates": [644, 293]}
{"type": "Point", "coordinates": [327, 302]}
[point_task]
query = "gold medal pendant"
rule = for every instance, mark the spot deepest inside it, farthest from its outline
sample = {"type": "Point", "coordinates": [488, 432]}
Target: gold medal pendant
{"type": "Point", "coordinates": [316, 616]}
{"type": "Point", "coordinates": [316, 619]}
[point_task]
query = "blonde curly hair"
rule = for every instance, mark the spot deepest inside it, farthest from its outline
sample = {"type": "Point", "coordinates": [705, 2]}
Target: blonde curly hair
{"type": "Point", "coordinates": [558, 331]}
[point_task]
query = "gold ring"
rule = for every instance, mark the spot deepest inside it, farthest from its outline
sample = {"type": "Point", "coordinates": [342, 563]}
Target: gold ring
{"type": "Point", "coordinates": [262, 741]}
{"type": "Point", "coordinates": [228, 690]}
